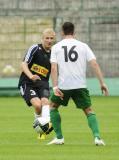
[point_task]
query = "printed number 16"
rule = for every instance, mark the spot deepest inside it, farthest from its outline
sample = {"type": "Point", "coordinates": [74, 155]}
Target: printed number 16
{"type": "Point", "coordinates": [72, 55]}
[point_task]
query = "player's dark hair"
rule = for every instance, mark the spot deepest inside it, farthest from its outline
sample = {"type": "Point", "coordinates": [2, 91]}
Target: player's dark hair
{"type": "Point", "coordinates": [68, 28]}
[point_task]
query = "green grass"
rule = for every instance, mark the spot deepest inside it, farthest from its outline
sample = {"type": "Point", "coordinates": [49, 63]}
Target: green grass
{"type": "Point", "coordinates": [18, 140]}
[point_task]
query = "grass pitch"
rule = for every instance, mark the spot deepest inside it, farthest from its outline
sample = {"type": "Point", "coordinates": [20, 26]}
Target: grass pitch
{"type": "Point", "coordinates": [18, 141]}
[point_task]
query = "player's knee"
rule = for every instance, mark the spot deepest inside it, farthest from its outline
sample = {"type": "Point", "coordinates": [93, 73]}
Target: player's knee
{"type": "Point", "coordinates": [37, 110]}
{"type": "Point", "coordinates": [88, 110]}
{"type": "Point", "coordinates": [53, 105]}
{"type": "Point", "coordinates": [44, 101]}
{"type": "Point", "coordinates": [37, 105]}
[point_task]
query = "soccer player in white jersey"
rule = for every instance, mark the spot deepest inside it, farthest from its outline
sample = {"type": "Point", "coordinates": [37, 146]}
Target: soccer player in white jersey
{"type": "Point", "coordinates": [68, 72]}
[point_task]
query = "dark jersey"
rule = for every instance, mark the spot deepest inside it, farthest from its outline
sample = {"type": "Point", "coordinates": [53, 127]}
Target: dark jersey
{"type": "Point", "coordinates": [38, 63]}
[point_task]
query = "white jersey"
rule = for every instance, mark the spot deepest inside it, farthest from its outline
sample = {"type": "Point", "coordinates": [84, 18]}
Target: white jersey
{"type": "Point", "coordinates": [71, 56]}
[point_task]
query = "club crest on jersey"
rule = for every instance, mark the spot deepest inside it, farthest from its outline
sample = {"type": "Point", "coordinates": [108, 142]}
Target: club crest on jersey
{"type": "Point", "coordinates": [40, 70]}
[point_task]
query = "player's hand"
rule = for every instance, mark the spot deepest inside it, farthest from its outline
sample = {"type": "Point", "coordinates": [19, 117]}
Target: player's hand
{"type": "Point", "coordinates": [104, 90]}
{"type": "Point", "coordinates": [35, 77]}
{"type": "Point", "coordinates": [58, 92]}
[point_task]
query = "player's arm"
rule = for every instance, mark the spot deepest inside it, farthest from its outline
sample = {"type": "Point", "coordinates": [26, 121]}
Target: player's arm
{"type": "Point", "coordinates": [54, 77]}
{"type": "Point", "coordinates": [94, 65]}
{"type": "Point", "coordinates": [54, 74]}
{"type": "Point", "coordinates": [27, 59]}
{"type": "Point", "coordinates": [25, 69]}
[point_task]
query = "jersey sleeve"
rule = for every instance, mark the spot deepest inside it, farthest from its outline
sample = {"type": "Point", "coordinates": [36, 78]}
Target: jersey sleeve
{"type": "Point", "coordinates": [53, 57]}
{"type": "Point", "coordinates": [30, 53]}
{"type": "Point", "coordinates": [89, 54]}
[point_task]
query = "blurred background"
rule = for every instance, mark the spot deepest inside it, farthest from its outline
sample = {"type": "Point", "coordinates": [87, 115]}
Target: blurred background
{"type": "Point", "coordinates": [22, 22]}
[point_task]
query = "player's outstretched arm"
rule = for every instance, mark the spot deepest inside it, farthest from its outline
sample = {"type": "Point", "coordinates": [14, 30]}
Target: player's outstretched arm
{"type": "Point", "coordinates": [98, 73]}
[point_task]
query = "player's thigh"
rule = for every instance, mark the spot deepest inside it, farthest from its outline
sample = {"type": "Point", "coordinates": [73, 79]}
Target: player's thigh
{"type": "Point", "coordinates": [28, 93]}
{"type": "Point", "coordinates": [43, 94]}
{"type": "Point", "coordinates": [81, 98]}
{"type": "Point", "coordinates": [57, 100]}
{"type": "Point", "coordinates": [36, 103]}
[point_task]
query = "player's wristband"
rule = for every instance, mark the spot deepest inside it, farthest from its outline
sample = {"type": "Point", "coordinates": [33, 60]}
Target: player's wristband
{"type": "Point", "coordinates": [54, 88]}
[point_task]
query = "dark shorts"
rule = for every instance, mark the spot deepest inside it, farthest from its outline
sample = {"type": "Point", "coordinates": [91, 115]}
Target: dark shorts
{"type": "Point", "coordinates": [39, 90]}
{"type": "Point", "coordinates": [80, 97]}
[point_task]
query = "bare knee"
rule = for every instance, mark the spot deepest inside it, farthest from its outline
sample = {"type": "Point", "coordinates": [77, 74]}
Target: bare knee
{"type": "Point", "coordinates": [44, 101]}
{"type": "Point", "coordinates": [54, 105]}
{"type": "Point", "coordinates": [88, 110]}
{"type": "Point", "coordinates": [36, 103]}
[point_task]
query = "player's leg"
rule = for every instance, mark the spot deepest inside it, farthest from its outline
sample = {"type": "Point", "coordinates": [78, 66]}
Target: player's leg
{"type": "Point", "coordinates": [82, 100]}
{"type": "Point", "coordinates": [32, 99]}
{"type": "Point", "coordinates": [56, 118]}
{"type": "Point", "coordinates": [92, 121]}
{"type": "Point", "coordinates": [43, 116]}
{"type": "Point", "coordinates": [42, 112]}
{"type": "Point", "coordinates": [41, 124]}
{"type": "Point", "coordinates": [42, 99]}
{"type": "Point", "coordinates": [36, 103]}
{"type": "Point", "coordinates": [45, 108]}
{"type": "Point", "coordinates": [93, 124]}
{"type": "Point", "coordinates": [44, 94]}
{"type": "Point", "coordinates": [56, 123]}
{"type": "Point", "coordinates": [44, 119]}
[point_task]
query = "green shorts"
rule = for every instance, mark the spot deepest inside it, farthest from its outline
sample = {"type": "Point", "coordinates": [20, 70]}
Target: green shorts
{"type": "Point", "coordinates": [80, 97]}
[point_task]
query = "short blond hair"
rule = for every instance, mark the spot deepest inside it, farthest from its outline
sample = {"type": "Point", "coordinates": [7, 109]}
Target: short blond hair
{"type": "Point", "coordinates": [48, 31]}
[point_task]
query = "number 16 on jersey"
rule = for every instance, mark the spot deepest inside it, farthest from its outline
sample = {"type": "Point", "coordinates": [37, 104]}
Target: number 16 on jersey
{"type": "Point", "coordinates": [72, 55]}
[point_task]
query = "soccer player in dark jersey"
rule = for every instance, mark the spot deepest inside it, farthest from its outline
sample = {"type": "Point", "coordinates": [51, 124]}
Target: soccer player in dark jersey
{"type": "Point", "coordinates": [33, 82]}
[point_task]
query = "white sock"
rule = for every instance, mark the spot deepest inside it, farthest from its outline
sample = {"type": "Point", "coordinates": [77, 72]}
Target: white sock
{"type": "Point", "coordinates": [45, 115]}
{"type": "Point", "coordinates": [43, 120]}
{"type": "Point", "coordinates": [45, 111]}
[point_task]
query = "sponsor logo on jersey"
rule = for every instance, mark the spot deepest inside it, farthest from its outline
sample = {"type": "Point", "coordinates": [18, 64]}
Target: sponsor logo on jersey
{"type": "Point", "coordinates": [40, 70]}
